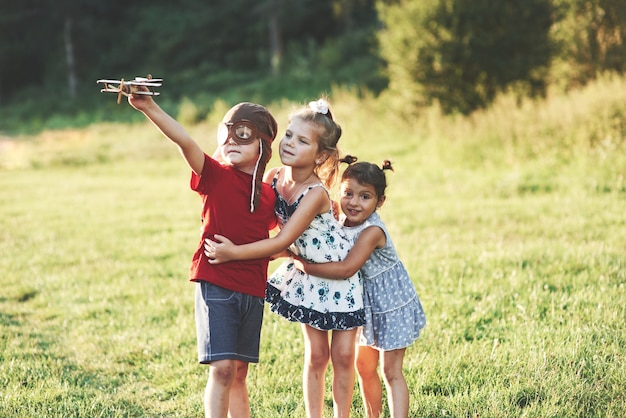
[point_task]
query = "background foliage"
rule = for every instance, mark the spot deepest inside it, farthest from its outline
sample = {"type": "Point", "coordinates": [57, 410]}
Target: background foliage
{"type": "Point", "coordinates": [460, 54]}
{"type": "Point", "coordinates": [456, 54]}
{"type": "Point", "coordinates": [190, 42]}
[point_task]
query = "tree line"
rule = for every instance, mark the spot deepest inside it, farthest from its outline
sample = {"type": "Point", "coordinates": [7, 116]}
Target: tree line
{"type": "Point", "coordinates": [461, 54]}
{"type": "Point", "coordinates": [457, 53]}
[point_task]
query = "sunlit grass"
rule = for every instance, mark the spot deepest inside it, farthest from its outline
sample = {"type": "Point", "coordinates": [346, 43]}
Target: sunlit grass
{"type": "Point", "coordinates": [510, 222]}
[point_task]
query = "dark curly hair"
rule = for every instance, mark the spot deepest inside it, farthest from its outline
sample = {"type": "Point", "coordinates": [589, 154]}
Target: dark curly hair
{"type": "Point", "coordinates": [367, 173]}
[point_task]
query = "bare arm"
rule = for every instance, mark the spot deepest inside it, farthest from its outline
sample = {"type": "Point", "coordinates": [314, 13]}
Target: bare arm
{"type": "Point", "coordinates": [269, 175]}
{"type": "Point", "coordinates": [169, 127]}
{"type": "Point", "coordinates": [222, 249]}
{"type": "Point", "coordinates": [370, 239]}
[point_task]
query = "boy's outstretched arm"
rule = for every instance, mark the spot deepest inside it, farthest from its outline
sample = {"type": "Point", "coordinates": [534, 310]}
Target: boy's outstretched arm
{"type": "Point", "coordinates": [370, 239]}
{"type": "Point", "coordinates": [169, 127]}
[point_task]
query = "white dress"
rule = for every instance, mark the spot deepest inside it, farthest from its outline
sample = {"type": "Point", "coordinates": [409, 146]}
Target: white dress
{"type": "Point", "coordinates": [324, 304]}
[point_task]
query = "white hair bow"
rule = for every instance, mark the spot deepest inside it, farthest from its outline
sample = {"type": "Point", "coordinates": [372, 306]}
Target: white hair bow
{"type": "Point", "coordinates": [319, 106]}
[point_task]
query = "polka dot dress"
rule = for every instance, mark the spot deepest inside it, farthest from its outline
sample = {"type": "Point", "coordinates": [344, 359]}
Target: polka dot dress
{"type": "Point", "coordinates": [393, 312]}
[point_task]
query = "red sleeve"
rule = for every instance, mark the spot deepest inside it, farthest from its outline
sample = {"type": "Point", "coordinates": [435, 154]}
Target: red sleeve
{"type": "Point", "coordinates": [209, 170]}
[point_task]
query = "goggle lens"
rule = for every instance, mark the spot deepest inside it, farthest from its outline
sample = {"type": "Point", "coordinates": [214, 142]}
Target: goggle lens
{"type": "Point", "coordinates": [242, 132]}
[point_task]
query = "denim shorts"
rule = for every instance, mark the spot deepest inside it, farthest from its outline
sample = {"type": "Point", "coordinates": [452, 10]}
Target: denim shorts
{"type": "Point", "coordinates": [228, 324]}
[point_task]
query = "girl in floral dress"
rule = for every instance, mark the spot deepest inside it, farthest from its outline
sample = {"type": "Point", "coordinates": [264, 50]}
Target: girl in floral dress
{"type": "Point", "coordinates": [318, 302]}
{"type": "Point", "coordinates": [309, 229]}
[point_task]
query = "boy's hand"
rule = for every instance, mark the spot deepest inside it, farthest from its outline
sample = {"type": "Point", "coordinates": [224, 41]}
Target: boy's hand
{"type": "Point", "coordinates": [219, 251]}
{"type": "Point", "coordinates": [140, 101]}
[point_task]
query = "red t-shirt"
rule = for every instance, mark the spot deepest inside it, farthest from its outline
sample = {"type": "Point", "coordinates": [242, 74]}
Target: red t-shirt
{"type": "Point", "coordinates": [225, 193]}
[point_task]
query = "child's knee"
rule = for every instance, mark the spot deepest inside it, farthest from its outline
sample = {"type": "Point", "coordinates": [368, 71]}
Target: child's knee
{"type": "Point", "coordinates": [242, 372]}
{"type": "Point", "coordinates": [343, 358]}
{"type": "Point", "coordinates": [391, 373]}
{"type": "Point", "coordinates": [317, 359]}
{"type": "Point", "coordinates": [223, 371]}
{"type": "Point", "coordinates": [365, 367]}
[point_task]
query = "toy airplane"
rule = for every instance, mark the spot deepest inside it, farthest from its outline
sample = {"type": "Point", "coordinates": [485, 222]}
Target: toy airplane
{"type": "Point", "coordinates": [126, 88]}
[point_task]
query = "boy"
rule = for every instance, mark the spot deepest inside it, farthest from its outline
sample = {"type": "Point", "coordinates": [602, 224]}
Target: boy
{"type": "Point", "coordinates": [236, 203]}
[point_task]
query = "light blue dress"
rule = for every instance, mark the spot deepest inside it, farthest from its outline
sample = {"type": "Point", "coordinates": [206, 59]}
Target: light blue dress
{"type": "Point", "coordinates": [393, 312]}
{"type": "Point", "coordinates": [299, 297]}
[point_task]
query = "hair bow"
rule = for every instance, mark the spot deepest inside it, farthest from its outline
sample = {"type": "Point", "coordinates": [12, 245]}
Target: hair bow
{"type": "Point", "coordinates": [319, 106]}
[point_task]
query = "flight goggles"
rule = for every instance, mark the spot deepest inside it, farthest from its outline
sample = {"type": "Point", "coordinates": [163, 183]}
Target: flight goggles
{"type": "Point", "coordinates": [243, 132]}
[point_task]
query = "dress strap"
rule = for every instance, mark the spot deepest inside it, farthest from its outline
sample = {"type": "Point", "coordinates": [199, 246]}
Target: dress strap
{"type": "Point", "coordinates": [305, 191]}
{"type": "Point", "coordinates": [299, 198]}
{"type": "Point", "coordinates": [275, 182]}
{"type": "Point", "coordinates": [312, 186]}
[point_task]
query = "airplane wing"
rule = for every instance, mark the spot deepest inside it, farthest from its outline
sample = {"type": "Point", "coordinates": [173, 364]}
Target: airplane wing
{"type": "Point", "coordinates": [147, 93]}
{"type": "Point", "coordinates": [104, 81]}
{"type": "Point", "coordinates": [117, 90]}
{"type": "Point", "coordinates": [148, 80]}
{"type": "Point", "coordinates": [142, 83]}
{"type": "Point", "coordinates": [138, 81]}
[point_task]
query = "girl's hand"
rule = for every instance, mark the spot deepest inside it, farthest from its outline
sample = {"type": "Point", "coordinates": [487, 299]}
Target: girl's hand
{"type": "Point", "coordinates": [299, 263]}
{"type": "Point", "coordinates": [335, 207]}
{"type": "Point", "coordinates": [219, 251]}
{"type": "Point", "coordinates": [284, 253]}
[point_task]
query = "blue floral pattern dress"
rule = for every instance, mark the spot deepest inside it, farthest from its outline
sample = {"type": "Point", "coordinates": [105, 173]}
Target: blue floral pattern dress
{"type": "Point", "coordinates": [323, 304]}
{"type": "Point", "coordinates": [394, 315]}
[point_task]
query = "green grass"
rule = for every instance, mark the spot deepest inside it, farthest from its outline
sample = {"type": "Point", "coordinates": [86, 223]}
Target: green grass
{"type": "Point", "coordinates": [511, 223]}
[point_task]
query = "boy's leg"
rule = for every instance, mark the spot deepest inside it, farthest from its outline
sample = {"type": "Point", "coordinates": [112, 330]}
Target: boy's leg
{"type": "Point", "coordinates": [397, 389]}
{"type": "Point", "coordinates": [226, 391]}
{"type": "Point", "coordinates": [228, 327]}
{"type": "Point", "coordinates": [342, 350]}
{"type": "Point", "coordinates": [239, 403]}
{"type": "Point", "coordinates": [369, 381]}
{"type": "Point", "coordinates": [217, 391]}
{"type": "Point", "coordinates": [316, 356]}
{"type": "Point", "coordinates": [248, 346]}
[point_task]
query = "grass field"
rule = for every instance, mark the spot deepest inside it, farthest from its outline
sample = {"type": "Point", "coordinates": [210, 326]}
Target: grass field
{"type": "Point", "coordinates": [511, 223]}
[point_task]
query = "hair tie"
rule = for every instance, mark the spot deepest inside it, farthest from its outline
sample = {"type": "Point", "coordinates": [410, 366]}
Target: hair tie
{"type": "Point", "coordinates": [387, 165]}
{"type": "Point", "coordinates": [319, 106]}
{"type": "Point", "coordinates": [348, 159]}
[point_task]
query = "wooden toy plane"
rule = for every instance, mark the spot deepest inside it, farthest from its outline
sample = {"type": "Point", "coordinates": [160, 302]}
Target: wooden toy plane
{"type": "Point", "coordinates": [126, 88]}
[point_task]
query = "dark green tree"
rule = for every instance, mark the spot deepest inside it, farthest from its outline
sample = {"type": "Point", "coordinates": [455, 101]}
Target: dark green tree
{"type": "Point", "coordinates": [53, 51]}
{"type": "Point", "coordinates": [591, 39]}
{"type": "Point", "coordinates": [460, 53]}
{"type": "Point", "coordinates": [23, 50]}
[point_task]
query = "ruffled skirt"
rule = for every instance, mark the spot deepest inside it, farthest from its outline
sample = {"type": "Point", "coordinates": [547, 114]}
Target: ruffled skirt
{"type": "Point", "coordinates": [323, 304]}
